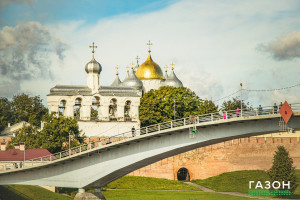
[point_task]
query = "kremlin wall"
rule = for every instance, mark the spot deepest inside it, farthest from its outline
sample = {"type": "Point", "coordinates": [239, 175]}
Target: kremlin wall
{"type": "Point", "coordinates": [255, 153]}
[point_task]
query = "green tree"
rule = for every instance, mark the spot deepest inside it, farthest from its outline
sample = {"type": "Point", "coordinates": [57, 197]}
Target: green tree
{"type": "Point", "coordinates": [55, 134]}
{"type": "Point", "coordinates": [158, 105]}
{"type": "Point", "coordinates": [282, 169]}
{"type": "Point", "coordinates": [234, 103]}
{"type": "Point", "coordinates": [5, 113]}
{"type": "Point", "coordinates": [29, 109]}
{"type": "Point", "coordinates": [29, 135]}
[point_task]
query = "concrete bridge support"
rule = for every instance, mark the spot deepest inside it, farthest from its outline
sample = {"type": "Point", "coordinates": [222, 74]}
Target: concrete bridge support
{"type": "Point", "coordinates": [82, 195]}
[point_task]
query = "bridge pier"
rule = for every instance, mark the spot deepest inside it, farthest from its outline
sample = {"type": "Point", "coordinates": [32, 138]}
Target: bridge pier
{"type": "Point", "coordinates": [82, 195]}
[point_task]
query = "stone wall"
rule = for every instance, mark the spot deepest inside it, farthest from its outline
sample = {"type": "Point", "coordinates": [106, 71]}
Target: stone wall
{"type": "Point", "coordinates": [233, 155]}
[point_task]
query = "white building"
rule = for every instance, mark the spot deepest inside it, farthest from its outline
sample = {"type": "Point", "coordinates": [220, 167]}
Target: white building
{"type": "Point", "coordinates": [108, 110]}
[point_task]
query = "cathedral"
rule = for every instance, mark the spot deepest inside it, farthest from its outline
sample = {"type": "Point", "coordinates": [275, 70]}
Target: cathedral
{"type": "Point", "coordinates": [109, 110]}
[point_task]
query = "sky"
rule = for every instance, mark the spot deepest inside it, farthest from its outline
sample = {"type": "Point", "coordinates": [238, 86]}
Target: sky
{"type": "Point", "coordinates": [215, 44]}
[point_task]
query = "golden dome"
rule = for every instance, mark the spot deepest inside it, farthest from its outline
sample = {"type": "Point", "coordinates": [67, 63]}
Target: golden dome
{"type": "Point", "coordinates": [149, 70]}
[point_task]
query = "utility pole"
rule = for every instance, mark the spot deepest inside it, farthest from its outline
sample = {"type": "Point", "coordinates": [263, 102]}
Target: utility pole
{"type": "Point", "coordinates": [174, 110]}
{"type": "Point", "coordinates": [69, 145]}
{"type": "Point", "coordinates": [241, 84]}
{"type": "Point", "coordinates": [24, 155]}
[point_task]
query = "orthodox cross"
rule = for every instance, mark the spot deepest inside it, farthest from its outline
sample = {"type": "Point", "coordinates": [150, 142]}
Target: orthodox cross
{"type": "Point", "coordinates": [166, 68]}
{"type": "Point", "coordinates": [149, 43]}
{"type": "Point", "coordinates": [131, 65]}
{"type": "Point", "coordinates": [93, 46]}
{"type": "Point", "coordinates": [172, 64]}
{"type": "Point", "coordinates": [117, 68]}
{"type": "Point", "coordinates": [127, 67]}
{"type": "Point", "coordinates": [137, 59]}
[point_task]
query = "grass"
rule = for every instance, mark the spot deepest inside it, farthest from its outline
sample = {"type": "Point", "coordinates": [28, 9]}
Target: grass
{"type": "Point", "coordinates": [167, 195]}
{"type": "Point", "coordinates": [238, 181]}
{"type": "Point", "coordinates": [147, 183]}
{"type": "Point", "coordinates": [28, 192]}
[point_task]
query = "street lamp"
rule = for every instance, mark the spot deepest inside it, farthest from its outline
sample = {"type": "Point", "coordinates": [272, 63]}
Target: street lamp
{"type": "Point", "coordinates": [241, 84]}
{"type": "Point", "coordinates": [69, 145]}
{"type": "Point", "coordinates": [174, 110]}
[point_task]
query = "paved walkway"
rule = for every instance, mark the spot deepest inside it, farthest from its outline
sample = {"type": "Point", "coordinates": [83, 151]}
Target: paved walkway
{"type": "Point", "coordinates": [205, 189]}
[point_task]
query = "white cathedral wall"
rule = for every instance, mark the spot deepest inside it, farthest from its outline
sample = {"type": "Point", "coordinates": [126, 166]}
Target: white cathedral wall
{"type": "Point", "coordinates": [106, 129]}
{"type": "Point", "coordinates": [93, 81]}
{"type": "Point", "coordinates": [151, 84]}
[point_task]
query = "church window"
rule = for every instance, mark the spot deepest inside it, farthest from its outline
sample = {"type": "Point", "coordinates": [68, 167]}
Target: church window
{"type": "Point", "coordinates": [77, 108]}
{"type": "Point", "coordinates": [94, 108]}
{"type": "Point", "coordinates": [113, 110]}
{"type": "Point", "coordinates": [62, 107]}
{"type": "Point", "coordinates": [127, 111]}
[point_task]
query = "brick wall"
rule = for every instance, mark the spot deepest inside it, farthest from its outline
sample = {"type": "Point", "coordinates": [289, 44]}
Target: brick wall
{"type": "Point", "coordinates": [233, 155]}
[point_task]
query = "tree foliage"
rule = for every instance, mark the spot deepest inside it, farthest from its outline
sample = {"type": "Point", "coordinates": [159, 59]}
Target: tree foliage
{"type": "Point", "coordinates": [54, 136]}
{"type": "Point", "coordinates": [158, 105]}
{"type": "Point", "coordinates": [29, 109]}
{"type": "Point", "coordinates": [5, 112]}
{"type": "Point", "coordinates": [282, 169]}
{"type": "Point", "coordinates": [234, 103]}
{"type": "Point", "coordinates": [55, 133]}
{"type": "Point", "coordinates": [21, 108]}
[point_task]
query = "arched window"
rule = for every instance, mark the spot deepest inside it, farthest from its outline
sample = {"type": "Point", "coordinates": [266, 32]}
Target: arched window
{"type": "Point", "coordinates": [94, 108]}
{"type": "Point", "coordinates": [113, 110]}
{"type": "Point", "coordinates": [127, 111]}
{"type": "Point", "coordinates": [183, 174]}
{"type": "Point", "coordinates": [77, 108]}
{"type": "Point", "coordinates": [62, 107]}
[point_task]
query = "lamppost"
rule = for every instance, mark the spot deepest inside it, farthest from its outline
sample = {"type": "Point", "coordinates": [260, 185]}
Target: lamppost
{"type": "Point", "coordinates": [241, 84]}
{"type": "Point", "coordinates": [174, 110]}
{"type": "Point", "coordinates": [24, 155]}
{"type": "Point", "coordinates": [69, 145]}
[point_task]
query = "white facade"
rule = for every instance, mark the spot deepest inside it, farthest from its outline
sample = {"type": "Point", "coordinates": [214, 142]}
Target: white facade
{"type": "Point", "coordinates": [151, 84]}
{"type": "Point", "coordinates": [100, 110]}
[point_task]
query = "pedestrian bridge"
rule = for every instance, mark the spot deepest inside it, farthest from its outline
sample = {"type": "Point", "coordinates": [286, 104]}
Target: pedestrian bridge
{"type": "Point", "coordinates": [99, 163]}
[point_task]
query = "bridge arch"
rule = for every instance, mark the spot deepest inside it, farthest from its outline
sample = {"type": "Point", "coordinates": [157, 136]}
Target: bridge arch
{"type": "Point", "coordinates": [183, 174]}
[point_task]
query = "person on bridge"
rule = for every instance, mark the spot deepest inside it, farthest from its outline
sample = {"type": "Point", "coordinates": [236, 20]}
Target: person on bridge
{"type": "Point", "coordinates": [275, 108]}
{"type": "Point", "coordinates": [260, 110]}
{"type": "Point", "coordinates": [237, 112]}
{"type": "Point", "coordinates": [133, 131]}
{"type": "Point", "coordinates": [224, 116]}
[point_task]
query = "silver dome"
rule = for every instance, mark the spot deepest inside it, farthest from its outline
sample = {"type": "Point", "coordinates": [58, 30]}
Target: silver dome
{"type": "Point", "coordinates": [172, 80]}
{"type": "Point", "coordinates": [93, 67]}
{"type": "Point", "coordinates": [132, 81]}
{"type": "Point", "coordinates": [116, 82]}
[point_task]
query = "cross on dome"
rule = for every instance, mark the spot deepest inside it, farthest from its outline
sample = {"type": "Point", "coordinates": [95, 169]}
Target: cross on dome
{"type": "Point", "coordinates": [172, 64]}
{"type": "Point", "coordinates": [166, 68]}
{"type": "Point", "coordinates": [137, 59]}
{"type": "Point", "coordinates": [93, 47]}
{"type": "Point", "coordinates": [149, 43]}
{"type": "Point", "coordinates": [117, 68]}
{"type": "Point", "coordinates": [132, 63]}
{"type": "Point", "coordinates": [127, 67]}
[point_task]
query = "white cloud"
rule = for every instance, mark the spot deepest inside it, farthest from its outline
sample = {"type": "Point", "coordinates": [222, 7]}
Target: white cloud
{"type": "Point", "coordinates": [212, 43]}
{"type": "Point", "coordinates": [26, 53]}
{"type": "Point", "coordinates": [284, 48]}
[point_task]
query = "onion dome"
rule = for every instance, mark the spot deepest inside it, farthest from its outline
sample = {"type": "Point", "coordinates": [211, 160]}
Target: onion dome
{"type": "Point", "coordinates": [132, 81]}
{"type": "Point", "coordinates": [149, 70]}
{"type": "Point", "coordinates": [117, 82]}
{"type": "Point", "coordinates": [172, 80]}
{"type": "Point", "coordinates": [93, 66]}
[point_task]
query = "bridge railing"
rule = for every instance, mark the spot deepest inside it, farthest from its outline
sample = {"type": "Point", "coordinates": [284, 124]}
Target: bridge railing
{"type": "Point", "coordinates": [197, 119]}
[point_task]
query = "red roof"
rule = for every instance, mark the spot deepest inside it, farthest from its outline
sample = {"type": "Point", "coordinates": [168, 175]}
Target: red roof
{"type": "Point", "coordinates": [18, 155]}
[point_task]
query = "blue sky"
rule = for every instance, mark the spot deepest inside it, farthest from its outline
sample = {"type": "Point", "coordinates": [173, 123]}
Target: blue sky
{"type": "Point", "coordinates": [51, 11]}
{"type": "Point", "coordinates": [214, 44]}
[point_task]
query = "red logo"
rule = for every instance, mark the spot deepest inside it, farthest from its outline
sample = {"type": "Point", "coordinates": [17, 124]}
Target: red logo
{"type": "Point", "coordinates": [286, 112]}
